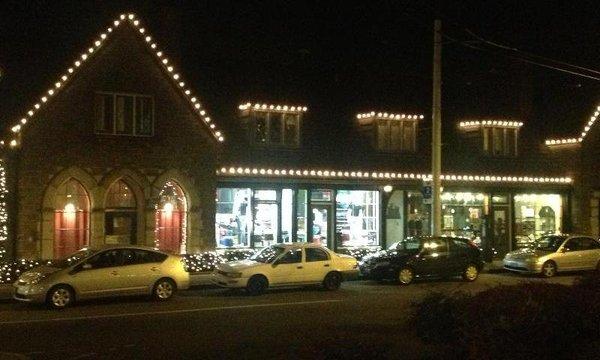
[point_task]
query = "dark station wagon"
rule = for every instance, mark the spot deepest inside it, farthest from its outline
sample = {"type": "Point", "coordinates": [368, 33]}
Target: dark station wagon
{"type": "Point", "coordinates": [419, 257]}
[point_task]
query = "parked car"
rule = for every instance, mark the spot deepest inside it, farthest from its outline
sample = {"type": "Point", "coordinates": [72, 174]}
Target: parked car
{"type": "Point", "coordinates": [104, 272]}
{"type": "Point", "coordinates": [555, 253]}
{"type": "Point", "coordinates": [419, 257]}
{"type": "Point", "coordinates": [284, 265]}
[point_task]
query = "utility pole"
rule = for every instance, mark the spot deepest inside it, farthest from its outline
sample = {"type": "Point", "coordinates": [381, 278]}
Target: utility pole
{"type": "Point", "coordinates": [436, 139]}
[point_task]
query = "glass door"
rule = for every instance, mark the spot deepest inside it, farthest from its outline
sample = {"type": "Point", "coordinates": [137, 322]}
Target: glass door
{"type": "Point", "coordinates": [322, 224]}
{"type": "Point", "coordinates": [500, 239]}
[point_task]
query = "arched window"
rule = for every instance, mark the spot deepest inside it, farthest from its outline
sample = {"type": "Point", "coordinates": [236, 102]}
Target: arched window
{"type": "Point", "coordinates": [171, 219]}
{"type": "Point", "coordinates": [120, 217]}
{"type": "Point", "coordinates": [71, 218]}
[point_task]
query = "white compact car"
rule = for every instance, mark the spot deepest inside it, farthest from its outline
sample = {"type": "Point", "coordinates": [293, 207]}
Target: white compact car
{"type": "Point", "coordinates": [284, 265]}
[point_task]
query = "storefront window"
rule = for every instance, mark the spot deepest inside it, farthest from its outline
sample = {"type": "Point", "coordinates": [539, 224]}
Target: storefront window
{"type": "Point", "coordinates": [287, 206]}
{"type": "Point", "coordinates": [301, 219]}
{"type": "Point", "coordinates": [418, 215]}
{"type": "Point", "coordinates": [394, 217]}
{"type": "Point", "coordinates": [265, 218]}
{"type": "Point", "coordinates": [233, 217]}
{"type": "Point", "coordinates": [462, 213]}
{"type": "Point", "coordinates": [536, 215]}
{"type": "Point", "coordinates": [357, 218]}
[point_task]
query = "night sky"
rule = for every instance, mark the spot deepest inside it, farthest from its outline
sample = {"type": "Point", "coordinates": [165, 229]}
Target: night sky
{"type": "Point", "coordinates": [336, 57]}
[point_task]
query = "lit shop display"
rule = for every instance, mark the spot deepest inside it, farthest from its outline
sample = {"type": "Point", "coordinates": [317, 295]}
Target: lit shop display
{"type": "Point", "coordinates": [536, 215]}
{"type": "Point", "coordinates": [462, 213]}
{"type": "Point", "coordinates": [357, 218]}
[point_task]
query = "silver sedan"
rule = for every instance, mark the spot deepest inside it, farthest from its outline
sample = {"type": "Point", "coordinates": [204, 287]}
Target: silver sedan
{"type": "Point", "coordinates": [104, 272]}
{"type": "Point", "coordinates": [556, 253]}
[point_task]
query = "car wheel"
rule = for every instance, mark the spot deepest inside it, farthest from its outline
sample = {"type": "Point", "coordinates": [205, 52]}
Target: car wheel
{"type": "Point", "coordinates": [470, 273]}
{"type": "Point", "coordinates": [332, 281]}
{"type": "Point", "coordinates": [164, 289]}
{"type": "Point", "coordinates": [60, 297]}
{"type": "Point", "coordinates": [548, 269]}
{"type": "Point", "coordinates": [405, 276]}
{"type": "Point", "coordinates": [257, 285]}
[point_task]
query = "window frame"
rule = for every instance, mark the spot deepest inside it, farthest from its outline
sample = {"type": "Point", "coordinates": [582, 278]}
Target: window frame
{"type": "Point", "coordinates": [134, 97]}
{"type": "Point", "coordinates": [489, 144]}
{"type": "Point", "coordinates": [384, 143]}
{"type": "Point", "coordinates": [268, 116]}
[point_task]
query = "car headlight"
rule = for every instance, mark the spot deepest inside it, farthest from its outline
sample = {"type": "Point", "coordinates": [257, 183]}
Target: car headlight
{"type": "Point", "coordinates": [234, 275]}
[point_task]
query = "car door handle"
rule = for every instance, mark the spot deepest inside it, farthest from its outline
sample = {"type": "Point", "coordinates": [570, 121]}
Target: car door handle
{"type": "Point", "coordinates": [326, 265]}
{"type": "Point", "coordinates": [154, 268]}
{"type": "Point", "coordinates": [299, 267]}
{"type": "Point", "coordinates": [114, 273]}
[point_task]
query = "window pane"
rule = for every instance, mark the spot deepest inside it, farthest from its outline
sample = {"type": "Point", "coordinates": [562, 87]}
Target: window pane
{"type": "Point", "coordinates": [498, 135]}
{"type": "Point", "coordinates": [260, 133]}
{"type": "Point", "coordinates": [321, 195]}
{"type": "Point", "coordinates": [104, 113]}
{"type": "Point", "coordinates": [233, 218]}
{"type": "Point", "coordinates": [396, 136]}
{"type": "Point", "coordinates": [511, 144]}
{"type": "Point", "coordinates": [357, 218]}
{"type": "Point", "coordinates": [462, 213]}
{"type": "Point", "coordinates": [301, 215]}
{"type": "Point", "coordinates": [383, 135]}
{"type": "Point", "coordinates": [418, 215]}
{"type": "Point", "coordinates": [536, 215]}
{"type": "Point", "coordinates": [314, 254]}
{"type": "Point", "coordinates": [286, 214]}
{"type": "Point", "coordinates": [275, 128]}
{"type": "Point", "coordinates": [124, 117]}
{"type": "Point", "coordinates": [408, 136]}
{"type": "Point", "coordinates": [143, 115]}
{"type": "Point", "coordinates": [265, 224]}
{"type": "Point", "coordinates": [291, 129]}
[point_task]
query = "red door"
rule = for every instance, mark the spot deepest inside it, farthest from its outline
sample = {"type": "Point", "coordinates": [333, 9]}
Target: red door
{"type": "Point", "coordinates": [70, 232]}
{"type": "Point", "coordinates": [169, 230]}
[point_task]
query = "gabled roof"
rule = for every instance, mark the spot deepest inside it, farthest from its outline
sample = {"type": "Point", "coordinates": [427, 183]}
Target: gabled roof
{"type": "Point", "coordinates": [584, 132]}
{"type": "Point", "coordinates": [63, 80]}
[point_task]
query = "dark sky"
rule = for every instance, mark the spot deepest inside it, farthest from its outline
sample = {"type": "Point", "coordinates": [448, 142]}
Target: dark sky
{"type": "Point", "coordinates": [336, 57]}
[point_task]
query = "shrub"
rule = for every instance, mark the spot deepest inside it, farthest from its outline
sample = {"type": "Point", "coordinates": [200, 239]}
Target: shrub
{"type": "Point", "coordinates": [531, 320]}
{"type": "Point", "coordinates": [360, 252]}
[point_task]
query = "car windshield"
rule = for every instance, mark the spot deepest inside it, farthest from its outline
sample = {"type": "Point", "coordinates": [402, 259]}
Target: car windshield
{"type": "Point", "coordinates": [549, 243]}
{"type": "Point", "coordinates": [73, 258]}
{"type": "Point", "coordinates": [268, 254]}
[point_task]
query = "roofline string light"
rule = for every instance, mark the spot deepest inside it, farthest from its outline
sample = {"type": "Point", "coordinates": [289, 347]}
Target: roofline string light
{"type": "Point", "coordinates": [88, 53]}
{"type": "Point", "coordinates": [347, 174]}
{"type": "Point", "coordinates": [385, 115]}
{"type": "Point", "coordinates": [583, 134]}
{"type": "Point", "coordinates": [272, 107]}
{"type": "Point", "coordinates": [493, 123]}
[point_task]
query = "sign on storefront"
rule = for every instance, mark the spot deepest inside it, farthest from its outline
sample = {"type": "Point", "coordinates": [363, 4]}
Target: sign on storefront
{"type": "Point", "coordinates": [427, 191]}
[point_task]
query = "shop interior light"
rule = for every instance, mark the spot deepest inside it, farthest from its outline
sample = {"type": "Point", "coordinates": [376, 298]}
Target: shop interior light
{"type": "Point", "coordinates": [168, 207]}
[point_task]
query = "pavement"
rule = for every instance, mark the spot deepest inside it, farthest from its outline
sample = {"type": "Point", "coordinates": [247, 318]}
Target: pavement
{"type": "Point", "coordinates": [362, 319]}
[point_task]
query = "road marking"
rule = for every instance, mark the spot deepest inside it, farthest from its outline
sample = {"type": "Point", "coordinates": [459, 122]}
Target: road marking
{"type": "Point", "coordinates": [181, 311]}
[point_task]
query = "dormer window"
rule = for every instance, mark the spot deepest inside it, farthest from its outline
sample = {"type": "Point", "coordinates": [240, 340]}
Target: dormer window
{"type": "Point", "coordinates": [499, 138]}
{"type": "Point", "coordinates": [273, 125]}
{"type": "Point", "coordinates": [390, 132]}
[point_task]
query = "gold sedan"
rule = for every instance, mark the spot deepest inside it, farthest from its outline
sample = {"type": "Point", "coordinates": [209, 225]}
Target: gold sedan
{"type": "Point", "coordinates": [104, 272]}
{"type": "Point", "coordinates": [556, 253]}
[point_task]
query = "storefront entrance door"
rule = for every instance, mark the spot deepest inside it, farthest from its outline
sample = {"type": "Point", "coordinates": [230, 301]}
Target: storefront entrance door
{"type": "Point", "coordinates": [500, 239]}
{"type": "Point", "coordinates": [322, 224]}
{"type": "Point", "coordinates": [120, 227]}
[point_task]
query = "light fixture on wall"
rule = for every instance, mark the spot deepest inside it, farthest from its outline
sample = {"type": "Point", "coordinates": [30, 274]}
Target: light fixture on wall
{"type": "Point", "coordinates": [69, 208]}
{"type": "Point", "coordinates": [168, 207]}
{"type": "Point", "coordinates": [388, 188]}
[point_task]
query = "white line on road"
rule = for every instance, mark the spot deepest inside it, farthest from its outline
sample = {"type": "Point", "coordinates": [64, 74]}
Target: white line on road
{"type": "Point", "coordinates": [181, 311]}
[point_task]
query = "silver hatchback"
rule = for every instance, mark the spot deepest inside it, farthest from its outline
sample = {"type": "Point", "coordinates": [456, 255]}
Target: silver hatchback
{"type": "Point", "coordinates": [555, 253]}
{"type": "Point", "coordinates": [103, 272]}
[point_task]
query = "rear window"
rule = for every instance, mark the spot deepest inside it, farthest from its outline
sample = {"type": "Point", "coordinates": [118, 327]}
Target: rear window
{"type": "Point", "coordinates": [136, 256]}
{"type": "Point", "coordinates": [315, 254]}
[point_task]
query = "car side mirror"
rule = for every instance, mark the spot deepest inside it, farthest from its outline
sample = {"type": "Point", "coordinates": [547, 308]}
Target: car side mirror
{"type": "Point", "coordinates": [563, 250]}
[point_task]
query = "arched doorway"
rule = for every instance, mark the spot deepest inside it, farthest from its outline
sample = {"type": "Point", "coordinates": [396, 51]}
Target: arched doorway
{"type": "Point", "coordinates": [171, 219]}
{"type": "Point", "coordinates": [120, 216]}
{"type": "Point", "coordinates": [71, 218]}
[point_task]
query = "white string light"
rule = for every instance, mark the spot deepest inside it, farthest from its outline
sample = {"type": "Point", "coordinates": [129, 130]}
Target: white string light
{"type": "Point", "coordinates": [385, 115]}
{"type": "Point", "coordinates": [583, 134]}
{"type": "Point", "coordinates": [86, 55]}
{"type": "Point", "coordinates": [347, 174]}
{"type": "Point", "coordinates": [492, 123]}
{"type": "Point", "coordinates": [273, 108]}
{"type": "Point", "coordinates": [3, 210]}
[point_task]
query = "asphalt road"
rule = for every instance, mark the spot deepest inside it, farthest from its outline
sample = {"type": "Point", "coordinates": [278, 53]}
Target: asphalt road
{"type": "Point", "coordinates": [362, 319]}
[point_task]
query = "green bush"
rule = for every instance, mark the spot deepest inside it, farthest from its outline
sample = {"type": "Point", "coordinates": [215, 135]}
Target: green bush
{"type": "Point", "coordinates": [531, 320]}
